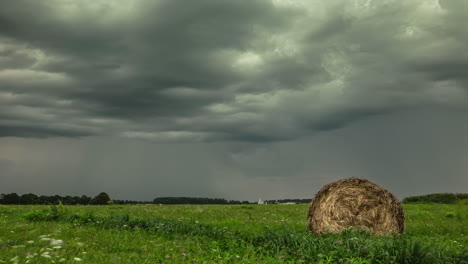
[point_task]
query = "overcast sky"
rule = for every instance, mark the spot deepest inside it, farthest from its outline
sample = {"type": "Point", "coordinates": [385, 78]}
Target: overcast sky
{"type": "Point", "coordinates": [232, 99]}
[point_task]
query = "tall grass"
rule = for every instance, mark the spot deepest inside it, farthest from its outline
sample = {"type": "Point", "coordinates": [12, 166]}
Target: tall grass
{"type": "Point", "coordinates": [276, 240]}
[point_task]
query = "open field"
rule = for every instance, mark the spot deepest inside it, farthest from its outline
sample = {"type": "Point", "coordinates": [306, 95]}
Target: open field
{"type": "Point", "coordinates": [219, 234]}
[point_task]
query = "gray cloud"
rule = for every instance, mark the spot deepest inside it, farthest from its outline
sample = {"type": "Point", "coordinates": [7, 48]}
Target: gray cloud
{"type": "Point", "coordinates": [419, 152]}
{"type": "Point", "coordinates": [252, 87]}
{"type": "Point", "coordinates": [257, 71]}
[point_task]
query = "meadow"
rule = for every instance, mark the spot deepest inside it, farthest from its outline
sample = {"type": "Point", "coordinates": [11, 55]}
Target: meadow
{"type": "Point", "coordinates": [434, 233]}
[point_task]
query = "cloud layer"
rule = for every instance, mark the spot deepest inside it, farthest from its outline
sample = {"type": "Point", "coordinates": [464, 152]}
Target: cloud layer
{"type": "Point", "coordinates": [236, 99]}
{"type": "Point", "coordinates": [223, 70]}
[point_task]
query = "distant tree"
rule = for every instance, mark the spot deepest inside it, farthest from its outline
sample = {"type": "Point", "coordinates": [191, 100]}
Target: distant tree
{"type": "Point", "coordinates": [11, 198]}
{"type": "Point", "coordinates": [192, 200]}
{"type": "Point", "coordinates": [445, 198]}
{"type": "Point", "coordinates": [56, 198]}
{"type": "Point", "coordinates": [29, 198]}
{"type": "Point", "coordinates": [101, 198]}
{"type": "Point", "coordinates": [85, 199]}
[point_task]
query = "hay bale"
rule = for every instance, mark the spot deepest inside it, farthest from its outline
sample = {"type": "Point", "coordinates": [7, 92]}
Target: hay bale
{"type": "Point", "coordinates": [357, 203]}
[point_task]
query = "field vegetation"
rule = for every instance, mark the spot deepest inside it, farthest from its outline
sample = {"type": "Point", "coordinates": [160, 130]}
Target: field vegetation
{"type": "Point", "coordinates": [434, 233]}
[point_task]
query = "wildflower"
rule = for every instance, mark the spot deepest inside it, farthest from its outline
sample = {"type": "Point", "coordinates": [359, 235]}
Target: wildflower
{"type": "Point", "coordinates": [56, 242]}
{"type": "Point", "coordinates": [183, 254]}
{"type": "Point", "coordinates": [77, 259]}
{"type": "Point", "coordinates": [18, 246]}
{"type": "Point", "coordinates": [30, 241]}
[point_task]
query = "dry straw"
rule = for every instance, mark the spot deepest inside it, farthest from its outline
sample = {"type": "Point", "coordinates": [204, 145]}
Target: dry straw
{"type": "Point", "coordinates": [357, 203]}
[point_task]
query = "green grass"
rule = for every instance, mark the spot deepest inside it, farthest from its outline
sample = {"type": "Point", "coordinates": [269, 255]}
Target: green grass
{"type": "Point", "coordinates": [219, 234]}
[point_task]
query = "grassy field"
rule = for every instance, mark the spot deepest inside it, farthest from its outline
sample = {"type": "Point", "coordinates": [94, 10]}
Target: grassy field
{"type": "Point", "coordinates": [219, 234]}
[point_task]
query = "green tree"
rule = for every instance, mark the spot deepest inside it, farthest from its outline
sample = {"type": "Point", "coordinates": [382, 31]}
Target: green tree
{"type": "Point", "coordinates": [12, 198]}
{"type": "Point", "coordinates": [101, 198]}
{"type": "Point", "coordinates": [29, 198]}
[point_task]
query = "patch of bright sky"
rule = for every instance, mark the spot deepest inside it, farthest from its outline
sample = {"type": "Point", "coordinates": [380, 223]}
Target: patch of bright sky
{"type": "Point", "coordinates": [220, 108]}
{"type": "Point", "coordinates": [248, 62]}
{"type": "Point", "coordinates": [32, 77]}
{"type": "Point", "coordinates": [166, 135]}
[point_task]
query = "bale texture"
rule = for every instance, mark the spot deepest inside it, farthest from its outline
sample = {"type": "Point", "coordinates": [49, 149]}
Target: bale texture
{"type": "Point", "coordinates": [356, 203]}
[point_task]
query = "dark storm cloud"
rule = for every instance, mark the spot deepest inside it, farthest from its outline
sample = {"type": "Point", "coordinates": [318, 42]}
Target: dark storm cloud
{"type": "Point", "coordinates": [224, 70]}
{"type": "Point", "coordinates": [413, 153]}
{"type": "Point", "coordinates": [39, 131]}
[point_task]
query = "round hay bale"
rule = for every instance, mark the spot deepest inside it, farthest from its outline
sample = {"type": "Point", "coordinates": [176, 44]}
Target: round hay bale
{"type": "Point", "coordinates": [356, 203]}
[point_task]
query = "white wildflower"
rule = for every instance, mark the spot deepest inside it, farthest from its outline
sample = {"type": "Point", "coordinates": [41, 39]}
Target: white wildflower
{"type": "Point", "coordinates": [77, 259]}
{"type": "Point", "coordinates": [56, 242]}
{"type": "Point", "coordinates": [15, 259]}
{"type": "Point", "coordinates": [30, 241]}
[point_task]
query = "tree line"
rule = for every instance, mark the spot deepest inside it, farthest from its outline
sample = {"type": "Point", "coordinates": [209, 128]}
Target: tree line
{"type": "Point", "coordinates": [31, 198]}
{"type": "Point", "coordinates": [103, 198]}
{"type": "Point", "coordinates": [195, 200]}
{"type": "Point", "coordinates": [296, 201]}
{"type": "Point", "coordinates": [444, 198]}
